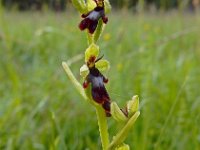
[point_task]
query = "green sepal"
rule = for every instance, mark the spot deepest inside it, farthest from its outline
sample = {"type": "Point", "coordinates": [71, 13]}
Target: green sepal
{"type": "Point", "coordinates": [80, 6]}
{"type": "Point", "coordinates": [91, 51]}
{"type": "Point", "coordinates": [102, 65]}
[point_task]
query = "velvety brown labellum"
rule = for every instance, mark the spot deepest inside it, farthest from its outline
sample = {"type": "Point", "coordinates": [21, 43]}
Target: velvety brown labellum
{"type": "Point", "coordinates": [99, 92]}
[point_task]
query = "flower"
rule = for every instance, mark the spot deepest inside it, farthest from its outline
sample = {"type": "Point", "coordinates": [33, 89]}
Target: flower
{"type": "Point", "coordinates": [91, 18]}
{"type": "Point", "coordinates": [91, 61]}
{"type": "Point", "coordinates": [92, 75]}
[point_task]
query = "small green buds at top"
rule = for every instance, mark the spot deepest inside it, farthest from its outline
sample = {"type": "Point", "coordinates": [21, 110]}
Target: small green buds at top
{"type": "Point", "coordinates": [117, 113]}
{"type": "Point", "coordinates": [133, 105]}
{"type": "Point", "coordinates": [103, 65]}
{"type": "Point", "coordinates": [123, 115]}
{"type": "Point", "coordinates": [123, 147]}
{"type": "Point", "coordinates": [84, 71]}
{"type": "Point", "coordinates": [91, 52]}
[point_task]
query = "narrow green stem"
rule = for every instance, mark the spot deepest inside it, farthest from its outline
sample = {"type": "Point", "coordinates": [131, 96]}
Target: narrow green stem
{"type": "Point", "coordinates": [103, 127]}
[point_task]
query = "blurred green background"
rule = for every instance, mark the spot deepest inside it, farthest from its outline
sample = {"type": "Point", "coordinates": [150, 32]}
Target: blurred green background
{"type": "Point", "coordinates": [154, 54]}
{"type": "Point", "coordinates": [132, 5]}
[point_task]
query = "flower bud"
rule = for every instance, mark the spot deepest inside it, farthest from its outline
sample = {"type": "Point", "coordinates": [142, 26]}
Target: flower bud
{"type": "Point", "coordinates": [117, 113]}
{"type": "Point", "coordinates": [133, 105]}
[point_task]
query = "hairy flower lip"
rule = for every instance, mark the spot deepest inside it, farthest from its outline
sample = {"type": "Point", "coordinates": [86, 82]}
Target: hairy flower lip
{"type": "Point", "coordinates": [98, 90]}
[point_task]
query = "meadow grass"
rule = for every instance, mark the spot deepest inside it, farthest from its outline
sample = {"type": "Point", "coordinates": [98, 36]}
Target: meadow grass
{"type": "Point", "coordinates": [154, 56]}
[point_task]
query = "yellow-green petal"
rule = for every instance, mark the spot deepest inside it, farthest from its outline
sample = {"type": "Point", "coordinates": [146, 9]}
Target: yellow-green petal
{"type": "Point", "coordinates": [102, 65]}
{"type": "Point", "coordinates": [84, 71]}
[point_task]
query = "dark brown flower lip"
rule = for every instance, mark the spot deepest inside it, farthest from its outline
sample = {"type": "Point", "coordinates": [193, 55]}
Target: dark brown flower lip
{"type": "Point", "coordinates": [98, 90]}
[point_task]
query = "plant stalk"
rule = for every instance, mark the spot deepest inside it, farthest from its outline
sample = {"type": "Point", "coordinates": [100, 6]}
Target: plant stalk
{"type": "Point", "coordinates": [103, 127]}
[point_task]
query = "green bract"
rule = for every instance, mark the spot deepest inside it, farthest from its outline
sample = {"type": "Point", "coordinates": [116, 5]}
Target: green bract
{"type": "Point", "coordinates": [133, 105]}
{"type": "Point", "coordinates": [107, 6]}
{"type": "Point", "coordinates": [102, 65]}
{"type": "Point", "coordinates": [91, 51]}
{"type": "Point", "coordinates": [84, 71]}
{"type": "Point", "coordinates": [122, 134]}
{"type": "Point", "coordinates": [98, 31]}
{"type": "Point", "coordinates": [117, 114]}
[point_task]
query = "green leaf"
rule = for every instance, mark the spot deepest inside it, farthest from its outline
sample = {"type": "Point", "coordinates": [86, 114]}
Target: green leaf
{"type": "Point", "coordinates": [98, 31]}
{"type": "Point", "coordinates": [80, 6]}
{"type": "Point", "coordinates": [117, 114]}
{"type": "Point", "coordinates": [121, 136]}
{"type": "Point", "coordinates": [102, 65]}
{"type": "Point", "coordinates": [74, 80]}
{"type": "Point", "coordinates": [133, 105]}
{"type": "Point", "coordinates": [91, 51]}
{"type": "Point", "coordinates": [84, 71]}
